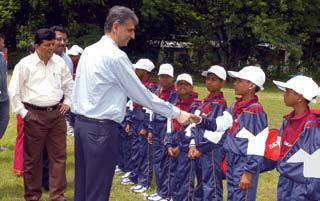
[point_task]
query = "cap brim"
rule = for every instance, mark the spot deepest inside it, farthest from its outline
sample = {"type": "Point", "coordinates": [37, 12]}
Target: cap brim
{"type": "Point", "coordinates": [72, 53]}
{"type": "Point", "coordinates": [183, 80]}
{"type": "Point", "coordinates": [204, 73]}
{"type": "Point", "coordinates": [236, 74]}
{"type": "Point", "coordinates": [166, 74]}
{"type": "Point", "coordinates": [281, 85]}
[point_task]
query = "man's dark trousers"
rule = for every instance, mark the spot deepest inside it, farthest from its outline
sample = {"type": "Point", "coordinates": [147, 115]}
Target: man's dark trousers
{"type": "Point", "coordinates": [96, 155]}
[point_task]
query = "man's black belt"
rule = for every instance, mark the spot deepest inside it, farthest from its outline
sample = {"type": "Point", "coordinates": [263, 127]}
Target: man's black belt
{"type": "Point", "coordinates": [47, 108]}
{"type": "Point", "coordinates": [108, 121]}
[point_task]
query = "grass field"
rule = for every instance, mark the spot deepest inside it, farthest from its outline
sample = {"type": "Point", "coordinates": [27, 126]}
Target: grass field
{"type": "Point", "coordinates": [11, 187]}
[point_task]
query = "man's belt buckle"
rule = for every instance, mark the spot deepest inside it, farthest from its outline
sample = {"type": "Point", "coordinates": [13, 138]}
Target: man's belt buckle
{"type": "Point", "coordinates": [49, 109]}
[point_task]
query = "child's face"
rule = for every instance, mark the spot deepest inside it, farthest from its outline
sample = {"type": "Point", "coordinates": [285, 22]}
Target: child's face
{"type": "Point", "coordinates": [214, 83]}
{"type": "Point", "coordinates": [183, 88]}
{"type": "Point", "coordinates": [291, 98]}
{"type": "Point", "coordinates": [165, 81]}
{"type": "Point", "coordinates": [141, 73]}
{"type": "Point", "coordinates": [243, 87]}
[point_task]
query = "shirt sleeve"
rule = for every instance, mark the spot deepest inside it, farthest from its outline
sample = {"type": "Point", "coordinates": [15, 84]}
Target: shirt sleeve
{"type": "Point", "coordinates": [135, 90]}
{"type": "Point", "coordinates": [15, 86]}
{"type": "Point", "coordinates": [67, 85]}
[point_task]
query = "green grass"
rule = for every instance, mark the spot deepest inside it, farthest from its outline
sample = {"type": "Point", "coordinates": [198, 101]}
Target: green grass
{"type": "Point", "coordinates": [11, 187]}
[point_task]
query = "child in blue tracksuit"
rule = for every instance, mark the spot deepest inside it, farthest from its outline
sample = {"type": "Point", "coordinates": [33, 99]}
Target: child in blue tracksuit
{"type": "Point", "coordinates": [125, 144]}
{"type": "Point", "coordinates": [140, 149]}
{"type": "Point", "coordinates": [158, 127]}
{"type": "Point", "coordinates": [299, 161]}
{"type": "Point", "coordinates": [245, 140]}
{"type": "Point", "coordinates": [174, 139]}
{"type": "Point", "coordinates": [208, 145]}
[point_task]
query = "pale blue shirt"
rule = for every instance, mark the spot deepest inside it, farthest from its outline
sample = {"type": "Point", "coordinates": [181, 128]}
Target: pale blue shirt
{"type": "Point", "coordinates": [105, 78]}
{"type": "Point", "coordinates": [68, 61]}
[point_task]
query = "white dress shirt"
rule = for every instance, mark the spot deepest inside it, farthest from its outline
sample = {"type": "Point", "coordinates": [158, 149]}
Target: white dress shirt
{"type": "Point", "coordinates": [105, 78]}
{"type": "Point", "coordinates": [38, 84]}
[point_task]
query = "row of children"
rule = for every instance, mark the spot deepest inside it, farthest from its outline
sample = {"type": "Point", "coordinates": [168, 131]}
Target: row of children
{"type": "Point", "coordinates": [183, 154]}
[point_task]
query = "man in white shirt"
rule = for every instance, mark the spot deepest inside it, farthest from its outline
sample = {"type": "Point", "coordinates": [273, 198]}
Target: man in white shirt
{"type": "Point", "coordinates": [105, 78]}
{"type": "Point", "coordinates": [38, 84]}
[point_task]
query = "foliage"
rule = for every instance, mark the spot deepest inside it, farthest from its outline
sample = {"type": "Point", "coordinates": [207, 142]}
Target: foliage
{"type": "Point", "coordinates": [8, 8]}
{"type": "Point", "coordinates": [224, 32]}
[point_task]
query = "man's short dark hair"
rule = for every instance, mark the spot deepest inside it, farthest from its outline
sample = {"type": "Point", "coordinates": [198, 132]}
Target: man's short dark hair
{"type": "Point", "coordinates": [119, 14]}
{"type": "Point", "coordinates": [2, 36]}
{"type": "Point", "coordinates": [59, 28]}
{"type": "Point", "coordinates": [44, 34]}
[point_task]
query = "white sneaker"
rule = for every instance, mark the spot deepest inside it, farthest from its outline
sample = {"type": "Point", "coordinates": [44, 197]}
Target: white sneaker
{"type": "Point", "coordinates": [153, 195]}
{"type": "Point", "coordinates": [117, 170]}
{"type": "Point", "coordinates": [126, 181]}
{"type": "Point", "coordinates": [140, 190]}
{"type": "Point", "coordinates": [155, 198]}
{"type": "Point", "coordinates": [126, 175]}
{"type": "Point", "coordinates": [136, 187]}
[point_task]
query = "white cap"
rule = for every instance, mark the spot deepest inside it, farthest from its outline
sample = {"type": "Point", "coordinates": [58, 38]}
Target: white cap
{"type": "Point", "coordinates": [186, 77]}
{"type": "Point", "coordinates": [75, 50]}
{"type": "Point", "coordinates": [253, 74]}
{"type": "Point", "coordinates": [166, 69]}
{"type": "Point", "coordinates": [302, 85]}
{"type": "Point", "coordinates": [217, 70]}
{"type": "Point", "coordinates": [144, 64]}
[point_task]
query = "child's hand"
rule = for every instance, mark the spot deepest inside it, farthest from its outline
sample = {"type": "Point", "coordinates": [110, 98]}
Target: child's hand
{"type": "Point", "coordinates": [194, 118]}
{"type": "Point", "coordinates": [191, 154]}
{"type": "Point", "coordinates": [176, 151]}
{"type": "Point", "coordinates": [143, 132]}
{"type": "Point", "coordinates": [171, 151]}
{"type": "Point", "coordinates": [245, 181]}
{"type": "Point", "coordinates": [197, 153]}
{"type": "Point", "coordinates": [127, 128]}
{"type": "Point", "coordinates": [150, 137]}
{"type": "Point", "coordinates": [194, 153]}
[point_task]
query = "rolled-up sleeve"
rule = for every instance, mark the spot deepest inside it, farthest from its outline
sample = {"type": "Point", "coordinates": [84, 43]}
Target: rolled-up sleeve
{"type": "Point", "coordinates": [133, 88]}
{"type": "Point", "coordinates": [67, 85]}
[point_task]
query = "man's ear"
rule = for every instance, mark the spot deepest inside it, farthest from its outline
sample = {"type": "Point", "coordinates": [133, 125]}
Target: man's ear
{"type": "Point", "coordinates": [115, 26]}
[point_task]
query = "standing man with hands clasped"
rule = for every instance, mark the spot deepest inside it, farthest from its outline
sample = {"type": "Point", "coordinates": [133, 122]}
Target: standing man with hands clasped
{"type": "Point", "coordinates": [38, 84]}
{"type": "Point", "coordinates": [104, 80]}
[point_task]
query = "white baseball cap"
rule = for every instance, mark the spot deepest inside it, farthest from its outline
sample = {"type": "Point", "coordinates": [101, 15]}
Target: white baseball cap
{"type": "Point", "coordinates": [186, 77]}
{"type": "Point", "coordinates": [166, 69]}
{"type": "Point", "coordinates": [217, 70]}
{"type": "Point", "coordinates": [253, 74]}
{"type": "Point", "coordinates": [302, 85]}
{"type": "Point", "coordinates": [144, 64]}
{"type": "Point", "coordinates": [75, 50]}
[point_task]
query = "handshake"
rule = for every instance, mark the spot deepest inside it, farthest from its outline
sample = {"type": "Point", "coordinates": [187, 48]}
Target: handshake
{"type": "Point", "coordinates": [223, 122]}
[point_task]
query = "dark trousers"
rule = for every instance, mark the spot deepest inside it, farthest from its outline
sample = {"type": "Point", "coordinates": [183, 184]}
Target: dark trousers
{"type": "Point", "coordinates": [159, 150]}
{"type": "Point", "coordinates": [96, 155]}
{"type": "Point", "coordinates": [42, 129]}
{"type": "Point", "coordinates": [145, 172]}
{"type": "Point", "coordinates": [4, 117]}
{"type": "Point", "coordinates": [125, 152]}
{"type": "Point", "coordinates": [135, 149]}
{"type": "Point", "coordinates": [45, 169]}
{"type": "Point", "coordinates": [235, 170]}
